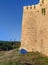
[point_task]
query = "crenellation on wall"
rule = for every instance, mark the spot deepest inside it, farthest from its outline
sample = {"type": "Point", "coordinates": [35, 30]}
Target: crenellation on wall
{"type": "Point", "coordinates": [37, 7]}
{"type": "Point", "coordinates": [29, 8]}
{"type": "Point", "coordinates": [32, 8]}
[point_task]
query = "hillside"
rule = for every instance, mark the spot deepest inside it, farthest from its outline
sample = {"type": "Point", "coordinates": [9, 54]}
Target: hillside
{"type": "Point", "coordinates": [13, 57]}
{"type": "Point", "coordinates": [9, 45]}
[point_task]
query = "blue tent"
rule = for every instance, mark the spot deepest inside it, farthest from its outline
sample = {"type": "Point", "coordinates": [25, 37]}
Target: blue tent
{"type": "Point", "coordinates": [23, 51]}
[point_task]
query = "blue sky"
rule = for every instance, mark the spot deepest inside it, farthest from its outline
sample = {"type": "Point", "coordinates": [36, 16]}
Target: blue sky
{"type": "Point", "coordinates": [11, 18]}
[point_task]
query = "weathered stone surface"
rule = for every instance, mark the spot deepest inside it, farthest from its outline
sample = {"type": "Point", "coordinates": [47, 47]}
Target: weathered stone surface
{"type": "Point", "coordinates": [35, 28]}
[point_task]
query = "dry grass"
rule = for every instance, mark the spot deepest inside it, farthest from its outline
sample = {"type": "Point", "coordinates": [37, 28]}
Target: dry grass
{"type": "Point", "coordinates": [13, 57]}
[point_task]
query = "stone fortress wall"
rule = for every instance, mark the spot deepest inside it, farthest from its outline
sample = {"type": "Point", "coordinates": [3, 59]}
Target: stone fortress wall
{"type": "Point", "coordinates": [35, 28]}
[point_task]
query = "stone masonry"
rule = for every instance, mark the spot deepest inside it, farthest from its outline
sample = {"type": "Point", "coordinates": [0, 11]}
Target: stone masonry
{"type": "Point", "coordinates": [35, 28]}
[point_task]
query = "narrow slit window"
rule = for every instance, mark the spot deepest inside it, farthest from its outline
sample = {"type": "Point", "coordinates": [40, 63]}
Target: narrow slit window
{"type": "Point", "coordinates": [34, 7]}
{"type": "Point", "coordinates": [42, 1]}
{"type": "Point", "coordinates": [27, 7]}
{"type": "Point", "coordinates": [43, 11]}
{"type": "Point", "coordinates": [30, 7]}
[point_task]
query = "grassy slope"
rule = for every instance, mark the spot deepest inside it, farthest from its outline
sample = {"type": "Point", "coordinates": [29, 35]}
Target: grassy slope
{"type": "Point", "coordinates": [13, 57]}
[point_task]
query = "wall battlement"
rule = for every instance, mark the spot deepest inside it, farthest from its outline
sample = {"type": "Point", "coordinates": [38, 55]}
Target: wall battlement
{"type": "Point", "coordinates": [33, 7]}
{"type": "Point", "coordinates": [37, 7]}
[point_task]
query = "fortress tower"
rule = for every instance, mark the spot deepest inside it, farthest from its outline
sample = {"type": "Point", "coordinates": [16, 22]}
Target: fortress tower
{"type": "Point", "coordinates": [35, 28]}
